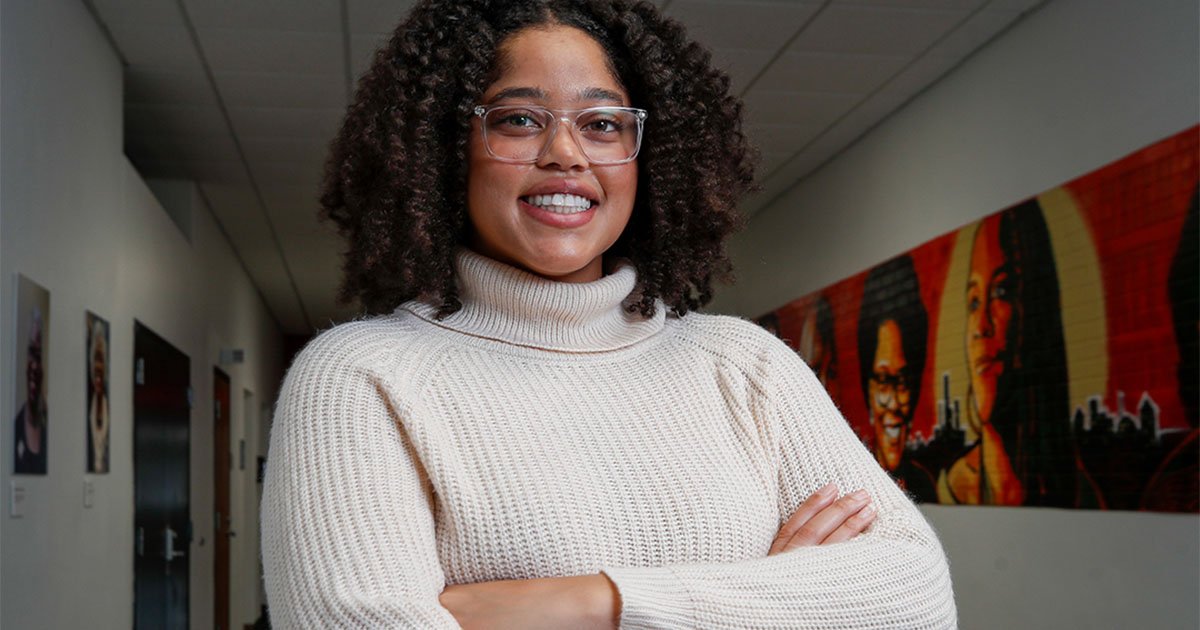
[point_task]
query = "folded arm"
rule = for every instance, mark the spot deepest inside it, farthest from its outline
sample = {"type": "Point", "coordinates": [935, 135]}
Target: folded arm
{"type": "Point", "coordinates": [892, 575]}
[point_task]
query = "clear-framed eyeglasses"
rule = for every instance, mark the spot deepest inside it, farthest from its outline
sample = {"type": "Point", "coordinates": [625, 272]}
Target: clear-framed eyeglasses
{"type": "Point", "coordinates": [522, 134]}
{"type": "Point", "coordinates": [891, 387]}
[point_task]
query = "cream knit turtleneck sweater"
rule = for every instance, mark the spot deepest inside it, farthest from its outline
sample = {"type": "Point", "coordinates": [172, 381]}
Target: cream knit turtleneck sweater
{"type": "Point", "coordinates": [543, 431]}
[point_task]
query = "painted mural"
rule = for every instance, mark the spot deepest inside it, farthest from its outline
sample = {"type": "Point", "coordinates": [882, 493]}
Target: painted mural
{"type": "Point", "coordinates": [1045, 355]}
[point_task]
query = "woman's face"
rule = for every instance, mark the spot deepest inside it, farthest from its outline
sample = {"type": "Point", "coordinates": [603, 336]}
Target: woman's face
{"type": "Point", "coordinates": [991, 299]}
{"type": "Point", "coordinates": [560, 68]}
{"type": "Point", "coordinates": [890, 396]}
{"type": "Point", "coordinates": [98, 369]}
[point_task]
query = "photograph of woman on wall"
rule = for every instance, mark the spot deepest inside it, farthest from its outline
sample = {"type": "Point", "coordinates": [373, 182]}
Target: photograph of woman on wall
{"type": "Point", "coordinates": [31, 430]}
{"type": "Point", "coordinates": [97, 394]}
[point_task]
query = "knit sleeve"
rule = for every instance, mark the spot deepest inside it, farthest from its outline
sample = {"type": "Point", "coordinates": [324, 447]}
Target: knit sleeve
{"type": "Point", "coordinates": [347, 526]}
{"type": "Point", "coordinates": [894, 575]}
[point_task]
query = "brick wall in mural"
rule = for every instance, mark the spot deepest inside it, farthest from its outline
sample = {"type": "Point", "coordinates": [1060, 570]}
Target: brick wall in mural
{"type": "Point", "coordinates": [1045, 355]}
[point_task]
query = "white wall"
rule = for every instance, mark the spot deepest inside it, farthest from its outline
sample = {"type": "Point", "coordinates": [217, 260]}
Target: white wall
{"type": "Point", "coordinates": [76, 218]}
{"type": "Point", "coordinates": [1070, 88]}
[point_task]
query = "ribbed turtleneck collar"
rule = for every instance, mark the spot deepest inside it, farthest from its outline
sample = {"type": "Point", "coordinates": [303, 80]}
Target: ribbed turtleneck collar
{"type": "Point", "coordinates": [507, 304]}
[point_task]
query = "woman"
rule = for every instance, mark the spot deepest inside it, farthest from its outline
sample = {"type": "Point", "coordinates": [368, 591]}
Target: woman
{"type": "Point", "coordinates": [530, 440]}
{"type": "Point", "coordinates": [97, 456]}
{"type": "Point", "coordinates": [1016, 357]}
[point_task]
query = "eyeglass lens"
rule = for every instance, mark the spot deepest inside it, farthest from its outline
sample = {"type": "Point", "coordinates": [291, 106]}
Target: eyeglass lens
{"type": "Point", "coordinates": [525, 133]}
{"type": "Point", "coordinates": [891, 387]}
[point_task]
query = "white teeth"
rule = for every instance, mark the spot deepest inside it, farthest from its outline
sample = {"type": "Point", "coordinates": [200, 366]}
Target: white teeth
{"type": "Point", "coordinates": [892, 432]}
{"type": "Point", "coordinates": [560, 203]}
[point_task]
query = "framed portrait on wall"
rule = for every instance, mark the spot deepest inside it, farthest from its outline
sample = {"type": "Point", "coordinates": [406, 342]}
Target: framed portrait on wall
{"type": "Point", "coordinates": [31, 419]}
{"type": "Point", "coordinates": [97, 366]}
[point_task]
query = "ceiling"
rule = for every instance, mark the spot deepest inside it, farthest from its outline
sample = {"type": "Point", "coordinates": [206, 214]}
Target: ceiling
{"type": "Point", "coordinates": [243, 96]}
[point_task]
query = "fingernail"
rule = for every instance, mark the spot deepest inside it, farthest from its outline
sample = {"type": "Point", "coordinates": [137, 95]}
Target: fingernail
{"type": "Point", "coordinates": [827, 490]}
{"type": "Point", "coordinates": [867, 512]}
{"type": "Point", "coordinates": [860, 495]}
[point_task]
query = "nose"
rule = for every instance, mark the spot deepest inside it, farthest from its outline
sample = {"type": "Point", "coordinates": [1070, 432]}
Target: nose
{"type": "Point", "coordinates": [564, 152]}
{"type": "Point", "coordinates": [984, 327]}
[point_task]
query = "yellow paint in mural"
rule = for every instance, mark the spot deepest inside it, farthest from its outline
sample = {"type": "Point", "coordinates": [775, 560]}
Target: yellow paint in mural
{"type": "Point", "coordinates": [950, 356]}
{"type": "Point", "coordinates": [1081, 293]}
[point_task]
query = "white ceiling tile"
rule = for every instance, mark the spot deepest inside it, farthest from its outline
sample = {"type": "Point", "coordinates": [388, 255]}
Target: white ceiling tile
{"type": "Point", "coordinates": [1016, 5]}
{"type": "Point", "coordinates": [236, 206]}
{"type": "Point", "coordinates": [916, 78]}
{"type": "Point", "coordinates": [156, 47]}
{"type": "Point", "coordinates": [784, 139]}
{"type": "Point", "coordinates": [306, 173]}
{"type": "Point", "coordinates": [139, 12]}
{"type": "Point", "coordinates": [231, 173]}
{"type": "Point", "coordinates": [913, 4]}
{"type": "Point", "coordinates": [741, 64]}
{"type": "Point", "coordinates": [284, 149]}
{"type": "Point", "coordinates": [376, 16]}
{"type": "Point", "coordinates": [830, 72]}
{"type": "Point", "coordinates": [769, 107]}
{"type": "Point", "coordinates": [237, 209]}
{"type": "Point", "coordinates": [877, 30]}
{"type": "Point", "coordinates": [722, 24]}
{"type": "Point", "coordinates": [157, 86]}
{"type": "Point", "coordinates": [263, 89]}
{"type": "Point", "coordinates": [975, 32]}
{"type": "Point", "coordinates": [208, 148]}
{"type": "Point", "coordinates": [362, 50]}
{"type": "Point", "coordinates": [241, 50]}
{"type": "Point", "coordinates": [269, 274]}
{"type": "Point", "coordinates": [768, 162]}
{"type": "Point", "coordinates": [275, 122]}
{"type": "Point", "coordinates": [286, 202]}
{"type": "Point", "coordinates": [167, 120]}
{"type": "Point", "coordinates": [319, 16]}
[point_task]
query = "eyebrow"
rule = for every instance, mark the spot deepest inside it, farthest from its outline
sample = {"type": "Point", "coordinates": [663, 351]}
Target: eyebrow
{"type": "Point", "coordinates": [588, 94]}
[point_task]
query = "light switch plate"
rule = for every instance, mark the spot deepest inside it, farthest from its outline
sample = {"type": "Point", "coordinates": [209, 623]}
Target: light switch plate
{"type": "Point", "coordinates": [16, 499]}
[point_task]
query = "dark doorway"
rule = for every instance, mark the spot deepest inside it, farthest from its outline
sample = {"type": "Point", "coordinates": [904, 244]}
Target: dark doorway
{"type": "Point", "coordinates": [222, 462]}
{"type": "Point", "coordinates": [161, 460]}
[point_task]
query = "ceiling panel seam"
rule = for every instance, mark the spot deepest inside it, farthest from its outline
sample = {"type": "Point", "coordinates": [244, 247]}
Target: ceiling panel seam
{"type": "Point", "coordinates": [783, 48]}
{"type": "Point", "coordinates": [108, 36]}
{"type": "Point", "coordinates": [866, 99]}
{"type": "Point", "coordinates": [262, 206]}
{"type": "Point", "coordinates": [237, 255]}
{"type": "Point", "coordinates": [347, 53]}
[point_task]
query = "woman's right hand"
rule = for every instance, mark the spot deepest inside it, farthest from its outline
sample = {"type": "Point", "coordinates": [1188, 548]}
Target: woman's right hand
{"type": "Point", "coordinates": [825, 519]}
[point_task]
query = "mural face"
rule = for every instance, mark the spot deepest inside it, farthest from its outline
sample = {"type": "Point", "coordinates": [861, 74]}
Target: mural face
{"type": "Point", "coordinates": [989, 303]}
{"type": "Point", "coordinates": [890, 397]}
{"type": "Point", "coordinates": [1045, 355]}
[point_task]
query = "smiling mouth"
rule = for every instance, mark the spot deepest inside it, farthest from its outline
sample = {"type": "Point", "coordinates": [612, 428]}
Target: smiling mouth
{"type": "Point", "coordinates": [560, 203]}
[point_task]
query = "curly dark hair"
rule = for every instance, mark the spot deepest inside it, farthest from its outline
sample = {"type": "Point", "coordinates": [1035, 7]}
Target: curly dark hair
{"type": "Point", "coordinates": [395, 180]}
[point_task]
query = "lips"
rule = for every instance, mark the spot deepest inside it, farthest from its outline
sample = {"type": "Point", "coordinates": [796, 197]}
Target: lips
{"type": "Point", "coordinates": [984, 365]}
{"type": "Point", "coordinates": [561, 203]}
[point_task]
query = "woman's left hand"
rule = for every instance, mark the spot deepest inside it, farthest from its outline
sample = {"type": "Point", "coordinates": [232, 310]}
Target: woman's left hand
{"type": "Point", "coordinates": [585, 601]}
{"type": "Point", "coordinates": [824, 519]}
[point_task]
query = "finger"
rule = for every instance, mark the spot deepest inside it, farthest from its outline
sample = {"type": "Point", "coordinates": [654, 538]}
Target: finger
{"type": "Point", "coordinates": [825, 522]}
{"type": "Point", "coordinates": [853, 526]}
{"type": "Point", "coordinates": [811, 507]}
